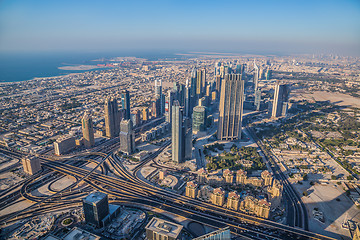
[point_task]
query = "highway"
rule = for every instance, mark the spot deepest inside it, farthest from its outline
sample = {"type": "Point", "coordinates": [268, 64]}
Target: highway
{"type": "Point", "coordinates": [125, 186]}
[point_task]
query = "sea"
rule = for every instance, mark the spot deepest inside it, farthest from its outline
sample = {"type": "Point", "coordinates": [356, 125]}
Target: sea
{"type": "Point", "coordinates": [16, 67]}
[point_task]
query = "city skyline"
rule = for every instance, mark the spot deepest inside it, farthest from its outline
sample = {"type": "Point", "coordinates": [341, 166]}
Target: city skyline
{"type": "Point", "coordinates": [236, 26]}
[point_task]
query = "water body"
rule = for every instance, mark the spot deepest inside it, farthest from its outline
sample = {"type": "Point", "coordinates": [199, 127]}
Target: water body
{"type": "Point", "coordinates": [21, 67]}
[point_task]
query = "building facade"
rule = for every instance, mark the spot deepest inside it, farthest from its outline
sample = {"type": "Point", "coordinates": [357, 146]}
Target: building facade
{"type": "Point", "coordinates": [88, 131]}
{"type": "Point", "coordinates": [127, 137]}
{"type": "Point", "coordinates": [231, 107]}
{"type": "Point", "coordinates": [31, 165]}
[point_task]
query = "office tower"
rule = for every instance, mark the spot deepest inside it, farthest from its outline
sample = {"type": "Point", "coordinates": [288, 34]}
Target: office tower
{"type": "Point", "coordinates": [88, 130]}
{"type": "Point", "coordinates": [177, 133]}
{"type": "Point", "coordinates": [64, 144]}
{"type": "Point", "coordinates": [145, 114]}
{"type": "Point", "coordinates": [200, 82]}
{"type": "Point", "coordinates": [199, 117]}
{"type": "Point", "coordinates": [208, 90]}
{"type": "Point", "coordinates": [96, 208]}
{"type": "Point", "coordinates": [181, 94]}
{"type": "Point", "coordinates": [112, 118]}
{"type": "Point", "coordinates": [155, 108]}
{"type": "Point", "coordinates": [231, 107]}
{"type": "Point", "coordinates": [31, 165]}
{"type": "Point", "coordinates": [125, 99]}
{"type": "Point", "coordinates": [158, 89]}
{"type": "Point", "coordinates": [257, 101]}
{"type": "Point", "coordinates": [193, 82]}
{"type": "Point", "coordinates": [281, 97]}
{"type": "Point", "coordinates": [191, 189]}
{"type": "Point", "coordinates": [188, 100]}
{"type": "Point", "coordinates": [187, 145]}
{"type": "Point", "coordinates": [218, 83]}
{"type": "Point", "coordinates": [127, 137]}
{"type": "Point", "coordinates": [159, 229]}
{"type": "Point", "coordinates": [256, 76]}
{"type": "Point", "coordinates": [268, 74]}
{"type": "Point", "coordinates": [168, 105]}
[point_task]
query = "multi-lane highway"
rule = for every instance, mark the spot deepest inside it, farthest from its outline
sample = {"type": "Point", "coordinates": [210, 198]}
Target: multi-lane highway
{"type": "Point", "coordinates": [126, 187]}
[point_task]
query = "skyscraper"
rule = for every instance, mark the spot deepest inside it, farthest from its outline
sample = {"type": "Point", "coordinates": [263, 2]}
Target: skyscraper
{"type": "Point", "coordinates": [257, 101]}
{"type": "Point", "coordinates": [112, 118]}
{"type": "Point", "coordinates": [158, 89]}
{"type": "Point", "coordinates": [188, 100]}
{"type": "Point", "coordinates": [88, 130]}
{"type": "Point", "coordinates": [256, 76]}
{"type": "Point", "coordinates": [168, 105]}
{"type": "Point", "coordinates": [125, 99]}
{"type": "Point", "coordinates": [127, 137]}
{"type": "Point", "coordinates": [31, 165]}
{"type": "Point", "coordinates": [281, 97]}
{"type": "Point", "coordinates": [231, 107]}
{"type": "Point", "coordinates": [199, 116]}
{"type": "Point", "coordinates": [96, 208]}
{"type": "Point", "coordinates": [177, 133]}
{"type": "Point", "coordinates": [200, 82]}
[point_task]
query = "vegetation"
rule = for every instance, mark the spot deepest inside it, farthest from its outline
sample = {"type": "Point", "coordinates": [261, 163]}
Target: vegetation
{"type": "Point", "coordinates": [233, 159]}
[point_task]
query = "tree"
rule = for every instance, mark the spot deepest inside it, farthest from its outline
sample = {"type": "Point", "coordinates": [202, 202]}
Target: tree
{"type": "Point", "coordinates": [350, 177]}
{"type": "Point", "coordinates": [333, 177]}
{"type": "Point", "coordinates": [305, 193]}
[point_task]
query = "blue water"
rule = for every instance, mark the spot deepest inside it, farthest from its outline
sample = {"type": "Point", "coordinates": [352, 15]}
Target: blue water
{"type": "Point", "coordinates": [22, 67]}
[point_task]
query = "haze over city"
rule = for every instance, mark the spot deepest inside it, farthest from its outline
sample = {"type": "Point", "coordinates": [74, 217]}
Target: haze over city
{"type": "Point", "coordinates": [179, 120]}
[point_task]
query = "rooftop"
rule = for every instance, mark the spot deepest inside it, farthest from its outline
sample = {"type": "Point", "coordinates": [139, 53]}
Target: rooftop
{"type": "Point", "coordinates": [95, 197]}
{"type": "Point", "coordinates": [164, 227]}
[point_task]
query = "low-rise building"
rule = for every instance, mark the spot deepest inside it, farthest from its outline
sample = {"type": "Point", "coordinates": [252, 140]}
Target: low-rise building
{"type": "Point", "coordinates": [191, 189]}
{"type": "Point", "coordinates": [161, 229]}
{"type": "Point", "coordinates": [218, 196]}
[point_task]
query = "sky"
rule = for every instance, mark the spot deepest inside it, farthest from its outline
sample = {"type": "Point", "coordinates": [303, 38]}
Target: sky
{"type": "Point", "coordinates": [276, 26]}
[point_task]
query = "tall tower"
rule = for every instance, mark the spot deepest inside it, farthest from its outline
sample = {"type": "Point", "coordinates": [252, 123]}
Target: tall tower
{"type": "Point", "coordinates": [88, 130]}
{"type": "Point", "coordinates": [112, 118]}
{"type": "Point", "coordinates": [281, 97]}
{"type": "Point", "coordinates": [200, 82]}
{"type": "Point", "coordinates": [177, 133]}
{"type": "Point", "coordinates": [127, 137]}
{"type": "Point", "coordinates": [256, 76]}
{"type": "Point", "coordinates": [159, 96]}
{"type": "Point", "coordinates": [231, 107]}
{"type": "Point", "coordinates": [188, 100]}
{"type": "Point", "coordinates": [125, 99]}
{"type": "Point", "coordinates": [96, 208]}
{"type": "Point", "coordinates": [168, 105]}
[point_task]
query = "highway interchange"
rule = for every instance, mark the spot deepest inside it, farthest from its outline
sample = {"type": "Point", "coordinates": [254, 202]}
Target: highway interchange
{"type": "Point", "coordinates": [126, 188]}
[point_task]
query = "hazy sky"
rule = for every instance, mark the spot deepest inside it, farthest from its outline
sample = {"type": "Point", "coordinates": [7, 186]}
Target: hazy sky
{"type": "Point", "coordinates": [253, 26]}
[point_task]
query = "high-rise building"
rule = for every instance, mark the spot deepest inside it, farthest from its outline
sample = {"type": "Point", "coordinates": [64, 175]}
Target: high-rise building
{"type": "Point", "coordinates": [267, 177]}
{"type": "Point", "coordinates": [96, 208]}
{"type": "Point", "coordinates": [112, 118]}
{"type": "Point", "coordinates": [231, 107]}
{"type": "Point", "coordinates": [127, 137]}
{"type": "Point", "coordinates": [145, 114]}
{"type": "Point", "coordinates": [64, 144]}
{"type": "Point", "coordinates": [257, 101]}
{"type": "Point", "coordinates": [158, 89]}
{"type": "Point", "coordinates": [125, 100]}
{"type": "Point", "coordinates": [281, 97]}
{"type": "Point", "coordinates": [159, 229]}
{"type": "Point", "coordinates": [169, 100]}
{"type": "Point", "coordinates": [31, 165]}
{"type": "Point", "coordinates": [187, 145]}
{"type": "Point", "coordinates": [88, 130]}
{"type": "Point", "coordinates": [177, 135]}
{"type": "Point", "coordinates": [199, 117]}
{"type": "Point", "coordinates": [200, 82]}
{"type": "Point", "coordinates": [256, 76]}
{"type": "Point", "coordinates": [155, 108]}
{"type": "Point", "coordinates": [188, 100]}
